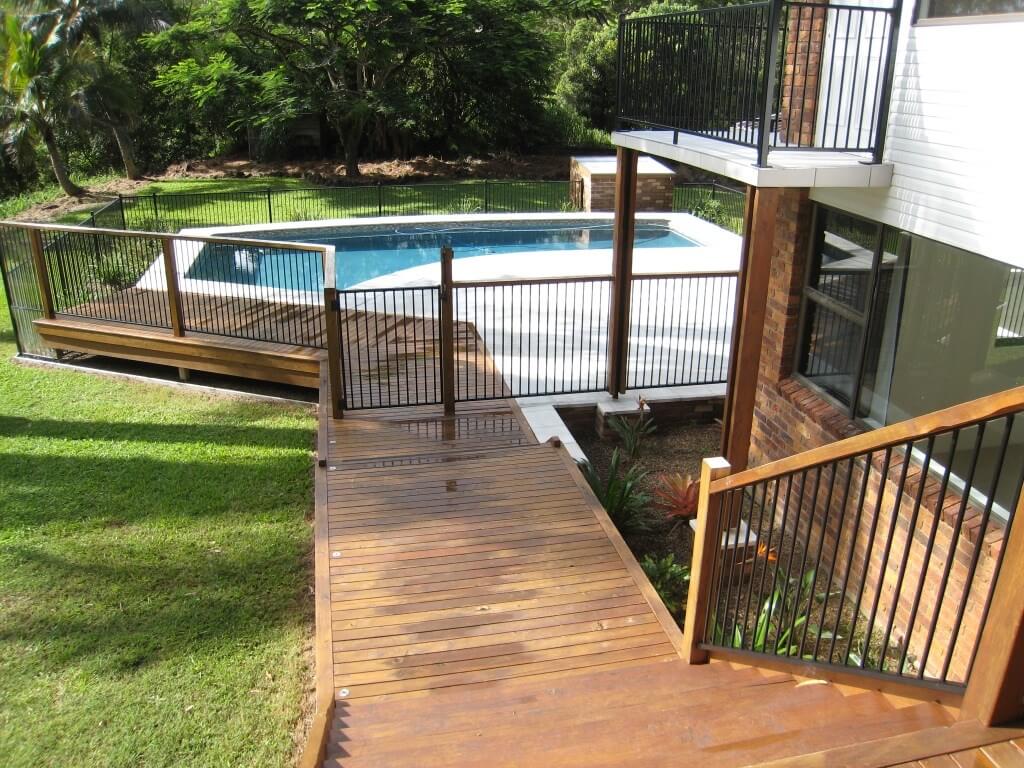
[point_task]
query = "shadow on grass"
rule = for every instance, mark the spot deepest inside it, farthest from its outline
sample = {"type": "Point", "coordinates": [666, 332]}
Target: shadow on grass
{"type": "Point", "coordinates": [150, 432]}
{"type": "Point", "coordinates": [143, 604]}
{"type": "Point", "coordinates": [122, 561]}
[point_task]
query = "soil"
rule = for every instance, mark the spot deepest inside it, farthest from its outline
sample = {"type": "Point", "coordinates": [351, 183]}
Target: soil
{"type": "Point", "coordinates": [672, 448]}
{"type": "Point", "coordinates": [316, 173]}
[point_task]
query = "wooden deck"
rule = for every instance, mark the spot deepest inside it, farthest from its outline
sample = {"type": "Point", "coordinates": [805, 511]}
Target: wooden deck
{"type": "Point", "coordinates": [477, 608]}
{"type": "Point", "coordinates": [389, 359]}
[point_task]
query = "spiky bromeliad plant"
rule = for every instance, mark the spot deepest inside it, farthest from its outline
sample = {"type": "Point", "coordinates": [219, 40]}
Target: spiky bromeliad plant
{"type": "Point", "coordinates": [620, 493]}
{"type": "Point", "coordinates": [676, 497]}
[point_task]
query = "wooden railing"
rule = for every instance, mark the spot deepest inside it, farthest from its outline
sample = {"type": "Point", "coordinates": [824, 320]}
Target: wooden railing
{"type": "Point", "coordinates": [186, 284]}
{"type": "Point", "coordinates": [888, 559]}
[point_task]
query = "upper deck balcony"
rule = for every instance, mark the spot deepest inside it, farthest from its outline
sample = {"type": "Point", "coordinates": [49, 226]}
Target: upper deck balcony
{"type": "Point", "coordinates": [772, 93]}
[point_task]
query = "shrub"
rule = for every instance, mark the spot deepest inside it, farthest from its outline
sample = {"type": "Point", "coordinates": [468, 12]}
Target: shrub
{"type": "Point", "coordinates": [669, 578]}
{"type": "Point", "coordinates": [710, 209]}
{"type": "Point", "coordinates": [620, 494]}
{"type": "Point", "coordinates": [632, 432]}
{"type": "Point", "coordinates": [676, 496]}
{"type": "Point", "coordinates": [111, 274]}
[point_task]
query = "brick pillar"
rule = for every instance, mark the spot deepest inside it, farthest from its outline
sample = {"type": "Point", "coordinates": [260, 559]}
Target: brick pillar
{"type": "Point", "coordinates": [801, 73]}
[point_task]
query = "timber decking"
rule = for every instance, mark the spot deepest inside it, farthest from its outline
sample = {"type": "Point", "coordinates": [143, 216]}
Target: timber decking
{"type": "Point", "coordinates": [389, 360]}
{"type": "Point", "coordinates": [477, 608]}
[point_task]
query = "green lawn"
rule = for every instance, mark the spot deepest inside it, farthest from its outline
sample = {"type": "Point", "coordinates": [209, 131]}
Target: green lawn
{"type": "Point", "coordinates": [154, 573]}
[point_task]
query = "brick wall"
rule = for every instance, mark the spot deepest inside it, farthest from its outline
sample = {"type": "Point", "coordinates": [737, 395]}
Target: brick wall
{"type": "Point", "coordinates": [790, 417]}
{"type": "Point", "coordinates": [801, 73]}
{"type": "Point", "coordinates": [653, 192]}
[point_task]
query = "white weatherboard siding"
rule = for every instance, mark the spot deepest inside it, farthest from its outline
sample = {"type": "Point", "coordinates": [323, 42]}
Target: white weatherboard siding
{"type": "Point", "coordinates": [955, 139]}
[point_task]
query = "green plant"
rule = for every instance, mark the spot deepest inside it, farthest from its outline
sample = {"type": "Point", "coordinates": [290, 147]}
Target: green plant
{"type": "Point", "coordinates": [710, 209]}
{"type": "Point", "coordinates": [620, 493]}
{"type": "Point", "coordinates": [669, 578]}
{"type": "Point", "coordinates": [676, 496]}
{"type": "Point", "coordinates": [781, 614]}
{"type": "Point", "coordinates": [111, 274]}
{"type": "Point", "coordinates": [632, 432]}
{"type": "Point", "coordinates": [467, 205]}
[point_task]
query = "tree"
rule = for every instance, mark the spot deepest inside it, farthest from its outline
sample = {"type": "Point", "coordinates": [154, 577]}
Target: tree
{"type": "Point", "coordinates": [380, 71]}
{"type": "Point", "coordinates": [37, 80]}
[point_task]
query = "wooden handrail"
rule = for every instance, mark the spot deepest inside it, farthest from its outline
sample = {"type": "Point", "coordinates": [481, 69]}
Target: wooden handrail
{"type": "Point", "coordinates": [989, 407]}
{"type": "Point", "coordinates": [38, 227]}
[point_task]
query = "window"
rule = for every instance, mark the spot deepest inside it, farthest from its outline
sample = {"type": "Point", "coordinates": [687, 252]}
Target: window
{"type": "Point", "coordinates": [946, 9]}
{"type": "Point", "coordinates": [896, 325]}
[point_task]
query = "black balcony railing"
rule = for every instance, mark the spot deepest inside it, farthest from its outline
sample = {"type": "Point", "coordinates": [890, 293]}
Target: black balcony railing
{"type": "Point", "coordinates": [778, 74]}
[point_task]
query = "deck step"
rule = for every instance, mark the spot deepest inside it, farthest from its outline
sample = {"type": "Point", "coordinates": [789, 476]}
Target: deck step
{"type": "Point", "coordinates": [285, 364]}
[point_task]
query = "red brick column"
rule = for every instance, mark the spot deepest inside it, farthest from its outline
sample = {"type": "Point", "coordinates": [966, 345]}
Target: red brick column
{"type": "Point", "coordinates": [801, 73]}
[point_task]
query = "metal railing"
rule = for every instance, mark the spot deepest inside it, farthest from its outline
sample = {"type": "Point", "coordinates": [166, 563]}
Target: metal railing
{"type": "Point", "coordinates": [481, 340]}
{"type": "Point", "coordinates": [531, 337]}
{"type": "Point", "coordinates": [172, 212]}
{"type": "Point", "coordinates": [768, 75]}
{"type": "Point", "coordinates": [680, 329]}
{"type": "Point", "coordinates": [835, 558]}
{"type": "Point", "coordinates": [693, 197]}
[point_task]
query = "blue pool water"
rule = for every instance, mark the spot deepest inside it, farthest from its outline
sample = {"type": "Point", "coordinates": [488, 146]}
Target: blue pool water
{"type": "Point", "coordinates": [363, 253]}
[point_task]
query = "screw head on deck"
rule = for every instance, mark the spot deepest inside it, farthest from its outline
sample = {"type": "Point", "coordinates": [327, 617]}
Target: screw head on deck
{"type": "Point", "coordinates": [343, 693]}
{"type": "Point", "coordinates": [335, 555]}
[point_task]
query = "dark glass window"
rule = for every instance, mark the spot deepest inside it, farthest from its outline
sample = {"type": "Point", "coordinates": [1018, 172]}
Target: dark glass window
{"type": "Point", "coordinates": [944, 9]}
{"type": "Point", "coordinates": [896, 326]}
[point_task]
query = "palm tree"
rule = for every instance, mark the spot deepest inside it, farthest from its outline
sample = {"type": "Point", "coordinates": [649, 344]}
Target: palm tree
{"type": "Point", "coordinates": [91, 29]}
{"type": "Point", "coordinates": [37, 78]}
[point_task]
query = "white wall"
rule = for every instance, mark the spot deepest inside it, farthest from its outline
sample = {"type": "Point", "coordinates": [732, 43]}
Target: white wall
{"type": "Point", "coordinates": [955, 138]}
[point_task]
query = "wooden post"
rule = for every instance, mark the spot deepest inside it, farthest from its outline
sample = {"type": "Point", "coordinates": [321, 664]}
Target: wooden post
{"type": "Point", "coordinates": [995, 690]}
{"type": "Point", "coordinates": [35, 239]}
{"type": "Point", "coordinates": [447, 333]}
{"type": "Point", "coordinates": [622, 269]}
{"type": "Point", "coordinates": [175, 310]}
{"type": "Point", "coordinates": [748, 325]}
{"type": "Point", "coordinates": [332, 324]}
{"type": "Point", "coordinates": [702, 564]}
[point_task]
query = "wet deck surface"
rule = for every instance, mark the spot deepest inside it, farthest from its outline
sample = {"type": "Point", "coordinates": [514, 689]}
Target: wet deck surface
{"type": "Point", "coordinates": [485, 612]}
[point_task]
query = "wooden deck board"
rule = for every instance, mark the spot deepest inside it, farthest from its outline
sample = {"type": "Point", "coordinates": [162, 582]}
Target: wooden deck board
{"type": "Point", "coordinates": [482, 611]}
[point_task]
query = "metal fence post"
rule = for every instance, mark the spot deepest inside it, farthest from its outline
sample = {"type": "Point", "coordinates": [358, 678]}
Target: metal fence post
{"type": "Point", "coordinates": [120, 202]}
{"type": "Point", "coordinates": [882, 123]}
{"type": "Point", "coordinates": [270, 206]}
{"type": "Point", "coordinates": [487, 196]}
{"type": "Point", "coordinates": [156, 209]}
{"type": "Point", "coordinates": [447, 333]}
{"type": "Point", "coordinates": [380, 198]}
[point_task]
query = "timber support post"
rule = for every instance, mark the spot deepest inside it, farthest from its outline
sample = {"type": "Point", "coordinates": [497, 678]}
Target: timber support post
{"type": "Point", "coordinates": [624, 228]}
{"type": "Point", "coordinates": [175, 309]}
{"type": "Point", "coordinates": [995, 688]}
{"type": "Point", "coordinates": [759, 219]}
{"type": "Point", "coordinates": [704, 552]}
{"type": "Point", "coordinates": [35, 239]}
{"type": "Point", "coordinates": [447, 333]}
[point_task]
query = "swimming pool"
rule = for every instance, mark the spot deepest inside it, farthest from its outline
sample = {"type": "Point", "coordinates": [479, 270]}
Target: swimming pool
{"type": "Point", "coordinates": [363, 253]}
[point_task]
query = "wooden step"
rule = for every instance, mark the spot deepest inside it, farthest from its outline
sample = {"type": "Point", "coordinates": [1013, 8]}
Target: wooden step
{"type": "Point", "coordinates": [285, 364]}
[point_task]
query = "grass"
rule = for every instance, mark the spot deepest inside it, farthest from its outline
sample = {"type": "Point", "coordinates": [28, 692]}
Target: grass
{"type": "Point", "coordinates": [244, 201]}
{"type": "Point", "coordinates": [12, 206]}
{"type": "Point", "coordinates": [249, 203]}
{"type": "Point", "coordinates": [154, 574]}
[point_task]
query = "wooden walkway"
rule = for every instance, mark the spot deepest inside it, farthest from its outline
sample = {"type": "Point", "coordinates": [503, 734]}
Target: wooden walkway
{"type": "Point", "coordinates": [477, 608]}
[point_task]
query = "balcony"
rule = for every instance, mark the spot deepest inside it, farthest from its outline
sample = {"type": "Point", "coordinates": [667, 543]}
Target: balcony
{"type": "Point", "coordinates": [773, 93]}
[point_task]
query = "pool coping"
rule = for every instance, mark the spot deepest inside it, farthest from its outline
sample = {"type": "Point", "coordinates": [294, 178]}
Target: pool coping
{"type": "Point", "coordinates": [707, 237]}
